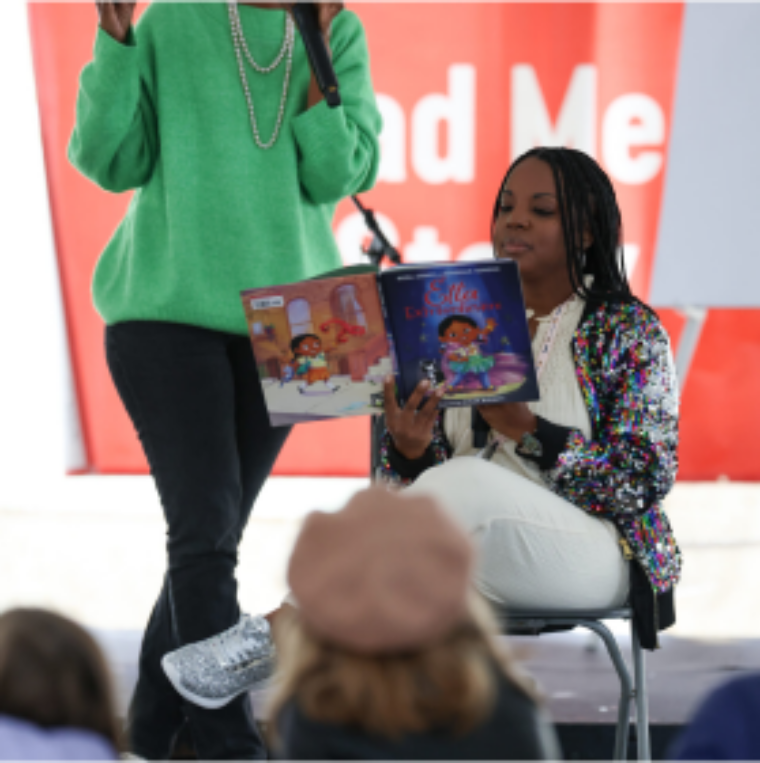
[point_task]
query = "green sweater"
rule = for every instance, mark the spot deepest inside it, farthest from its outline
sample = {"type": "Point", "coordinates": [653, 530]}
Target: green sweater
{"type": "Point", "coordinates": [213, 214]}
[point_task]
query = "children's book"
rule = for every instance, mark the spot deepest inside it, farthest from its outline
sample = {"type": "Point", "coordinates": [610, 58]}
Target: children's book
{"type": "Point", "coordinates": [324, 346]}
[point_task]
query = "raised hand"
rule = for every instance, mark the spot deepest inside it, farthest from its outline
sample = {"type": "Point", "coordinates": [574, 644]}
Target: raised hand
{"type": "Point", "coordinates": [411, 429]}
{"type": "Point", "coordinates": [116, 18]}
{"type": "Point", "coordinates": [326, 12]}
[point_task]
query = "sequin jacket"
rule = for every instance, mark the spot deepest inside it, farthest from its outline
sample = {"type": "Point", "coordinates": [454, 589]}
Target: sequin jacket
{"type": "Point", "coordinates": [626, 374]}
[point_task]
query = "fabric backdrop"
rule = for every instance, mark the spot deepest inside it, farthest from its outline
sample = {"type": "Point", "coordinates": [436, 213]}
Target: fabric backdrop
{"type": "Point", "coordinates": [463, 89]}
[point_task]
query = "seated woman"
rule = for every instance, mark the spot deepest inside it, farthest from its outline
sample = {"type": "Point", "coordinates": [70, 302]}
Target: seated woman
{"type": "Point", "coordinates": [566, 509]}
{"type": "Point", "coordinates": [565, 502]}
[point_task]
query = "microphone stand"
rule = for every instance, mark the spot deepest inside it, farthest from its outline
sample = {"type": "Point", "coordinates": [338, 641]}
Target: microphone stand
{"type": "Point", "coordinates": [379, 247]}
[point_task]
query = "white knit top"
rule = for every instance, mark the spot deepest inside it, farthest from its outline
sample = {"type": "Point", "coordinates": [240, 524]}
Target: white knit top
{"type": "Point", "coordinates": [561, 401]}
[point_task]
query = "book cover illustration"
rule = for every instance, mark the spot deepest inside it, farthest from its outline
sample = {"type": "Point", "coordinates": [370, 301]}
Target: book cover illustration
{"type": "Point", "coordinates": [462, 326]}
{"type": "Point", "coordinates": [320, 347]}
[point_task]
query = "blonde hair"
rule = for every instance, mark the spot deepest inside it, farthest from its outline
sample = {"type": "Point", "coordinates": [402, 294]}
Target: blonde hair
{"type": "Point", "coordinates": [451, 683]}
{"type": "Point", "coordinates": [53, 674]}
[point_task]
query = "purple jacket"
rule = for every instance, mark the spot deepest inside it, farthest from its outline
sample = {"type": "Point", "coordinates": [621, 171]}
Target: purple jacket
{"type": "Point", "coordinates": [20, 740]}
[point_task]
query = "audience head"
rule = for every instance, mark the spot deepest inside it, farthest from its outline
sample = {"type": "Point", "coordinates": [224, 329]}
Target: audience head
{"type": "Point", "coordinates": [386, 573]}
{"type": "Point", "coordinates": [53, 674]}
{"type": "Point", "coordinates": [590, 219]}
{"type": "Point", "coordinates": [388, 636]}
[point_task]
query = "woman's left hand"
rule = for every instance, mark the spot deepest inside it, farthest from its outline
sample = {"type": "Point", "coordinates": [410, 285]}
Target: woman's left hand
{"type": "Point", "coordinates": [326, 13]}
{"type": "Point", "coordinates": [510, 419]}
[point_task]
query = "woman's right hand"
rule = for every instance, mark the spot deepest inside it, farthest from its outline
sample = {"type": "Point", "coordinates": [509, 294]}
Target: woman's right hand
{"type": "Point", "coordinates": [116, 18]}
{"type": "Point", "coordinates": [326, 12]}
{"type": "Point", "coordinates": [410, 428]}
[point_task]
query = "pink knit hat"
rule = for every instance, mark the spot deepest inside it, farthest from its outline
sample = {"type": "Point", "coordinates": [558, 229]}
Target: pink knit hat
{"type": "Point", "coordinates": [389, 572]}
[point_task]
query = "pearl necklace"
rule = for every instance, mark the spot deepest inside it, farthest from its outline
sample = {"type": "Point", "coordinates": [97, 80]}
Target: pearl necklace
{"type": "Point", "coordinates": [241, 50]}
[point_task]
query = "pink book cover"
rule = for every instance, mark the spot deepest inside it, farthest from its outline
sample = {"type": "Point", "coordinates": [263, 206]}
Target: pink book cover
{"type": "Point", "coordinates": [321, 347]}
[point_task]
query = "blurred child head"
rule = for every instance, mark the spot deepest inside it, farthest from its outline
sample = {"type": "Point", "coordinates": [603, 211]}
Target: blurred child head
{"type": "Point", "coordinates": [53, 674]}
{"type": "Point", "coordinates": [388, 636]}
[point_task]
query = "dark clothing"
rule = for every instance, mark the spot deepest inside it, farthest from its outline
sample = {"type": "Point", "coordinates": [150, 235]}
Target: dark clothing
{"type": "Point", "coordinates": [194, 397]}
{"type": "Point", "coordinates": [515, 730]}
{"type": "Point", "coordinates": [725, 727]}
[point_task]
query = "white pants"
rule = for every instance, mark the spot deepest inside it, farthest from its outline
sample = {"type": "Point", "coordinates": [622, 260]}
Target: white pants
{"type": "Point", "coordinates": [536, 550]}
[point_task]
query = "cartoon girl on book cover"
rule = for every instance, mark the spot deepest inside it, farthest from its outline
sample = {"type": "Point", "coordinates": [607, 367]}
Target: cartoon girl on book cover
{"type": "Point", "coordinates": [461, 339]}
{"type": "Point", "coordinates": [309, 360]}
{"type": "Point", "coordinates": [310, 354]}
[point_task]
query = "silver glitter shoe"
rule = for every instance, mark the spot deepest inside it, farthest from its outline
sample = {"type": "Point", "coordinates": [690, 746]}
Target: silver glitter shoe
{"type": "Point", "coordinates": [213, 672]}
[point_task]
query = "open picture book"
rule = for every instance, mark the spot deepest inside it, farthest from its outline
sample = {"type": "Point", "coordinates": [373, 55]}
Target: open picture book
{"type": "Point", "coordinates": [324, 346]}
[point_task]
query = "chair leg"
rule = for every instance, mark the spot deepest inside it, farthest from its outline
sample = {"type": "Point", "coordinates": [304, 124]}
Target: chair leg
{"type": "Point", "coordinates": [626, 688]}
{"type": "Point", "coordinates": [642, 698]}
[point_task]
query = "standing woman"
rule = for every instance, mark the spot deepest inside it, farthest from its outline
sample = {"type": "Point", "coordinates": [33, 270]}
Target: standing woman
{"type": "Point", "coordinates": [211, 112]}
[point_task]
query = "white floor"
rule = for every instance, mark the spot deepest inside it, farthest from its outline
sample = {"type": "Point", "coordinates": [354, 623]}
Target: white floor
{"type": "Point", "coordinates": [92, 548]}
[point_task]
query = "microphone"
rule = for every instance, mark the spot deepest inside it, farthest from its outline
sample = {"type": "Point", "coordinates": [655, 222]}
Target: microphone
{"type": "Point", "coordinates": [307, 21]}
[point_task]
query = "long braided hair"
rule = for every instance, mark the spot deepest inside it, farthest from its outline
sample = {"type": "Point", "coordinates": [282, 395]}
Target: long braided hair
{"type": "Point", "coordinates": [586, 198]}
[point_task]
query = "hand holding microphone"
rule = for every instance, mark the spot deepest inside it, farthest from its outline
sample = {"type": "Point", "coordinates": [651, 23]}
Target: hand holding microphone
{"type": "Point", "coordinates": [313, 21]}
{"type": "Point", "coordinates": [115, 18]}
{"type": "Point", "coordinates": [324, 13]}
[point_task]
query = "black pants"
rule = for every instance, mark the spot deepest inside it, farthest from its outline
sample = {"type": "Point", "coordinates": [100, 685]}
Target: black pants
{"type": "Point", "coordinates": [196, 403]}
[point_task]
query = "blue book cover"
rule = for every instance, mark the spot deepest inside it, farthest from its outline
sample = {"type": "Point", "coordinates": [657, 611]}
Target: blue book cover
{"type": "Point", "coordinates": [463, 327]}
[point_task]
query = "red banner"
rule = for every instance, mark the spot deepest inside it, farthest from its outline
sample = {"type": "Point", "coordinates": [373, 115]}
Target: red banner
{"type": "Point", "coordinates": [461, 94]}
